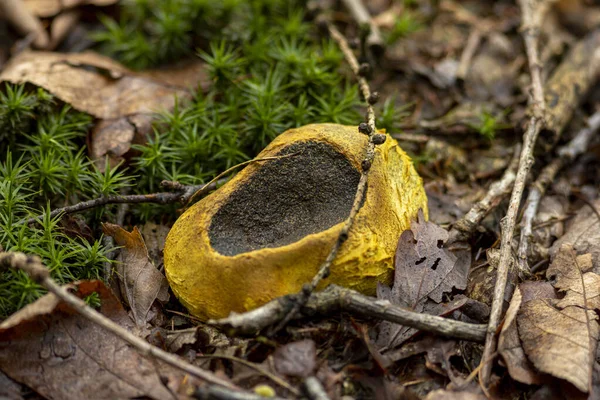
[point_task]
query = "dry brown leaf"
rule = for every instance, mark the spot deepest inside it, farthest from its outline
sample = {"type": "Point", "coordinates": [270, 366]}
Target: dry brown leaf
{"type": "Point", "coordinates": [10, 389]}
{"type": "Point", "coordinates": [557, 341]}
{"type": "Point", "coordinates": [123, 100]}
{"type": "Point", "coordinates": [560, 336]}
{"type": "Point", "coordinates": [576, 282]}
{"type": "Point", "coordinates": [296, 358]}
{"type": "Point", "coordinates": [583, 233]}
{"type": "Point", "coordinates": [154, 237]}
{"type": "Point", "coordinates": [61, 355]}
{"type": "Point", "coordinates": [424, 270]}
{"type": "Point", "coordinates": [141, 283]}
{"type": "Point", "coordinates": [509, 344]}
{"type": "Point", "coordinates": [93, 83]}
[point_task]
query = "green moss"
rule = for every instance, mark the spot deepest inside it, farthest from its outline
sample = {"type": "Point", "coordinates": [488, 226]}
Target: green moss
{"type": "Point", "coordinates": [270, 70]}
{"type": "Point", "coordinates": [489, 124]}
{"type": "Point", "coordinates": [406, 24]}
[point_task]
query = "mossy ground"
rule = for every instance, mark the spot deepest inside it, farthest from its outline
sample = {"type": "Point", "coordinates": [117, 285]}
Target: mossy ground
{"type": "Point", "coordinates": [271, 70]}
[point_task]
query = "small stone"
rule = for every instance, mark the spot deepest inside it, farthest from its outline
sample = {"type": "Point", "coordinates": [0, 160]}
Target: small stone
{"type": "Point", "coordinates": [378, 138]}
{"type": "Point", "coordinates": [363, 127]}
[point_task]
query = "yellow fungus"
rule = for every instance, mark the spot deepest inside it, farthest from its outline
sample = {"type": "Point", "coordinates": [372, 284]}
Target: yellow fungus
{"type": "Point", "coordinates": [266, 232]}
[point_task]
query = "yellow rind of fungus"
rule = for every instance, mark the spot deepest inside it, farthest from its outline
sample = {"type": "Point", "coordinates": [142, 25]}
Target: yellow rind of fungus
{"type": "Point", "coordinates": [212, 285]}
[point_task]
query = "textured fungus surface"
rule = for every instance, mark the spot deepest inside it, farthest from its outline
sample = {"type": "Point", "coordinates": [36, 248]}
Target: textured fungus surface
{"type": "Point", "coordinates": [287, 199]}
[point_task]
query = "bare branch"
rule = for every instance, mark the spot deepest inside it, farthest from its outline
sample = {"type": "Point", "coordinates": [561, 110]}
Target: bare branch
{"type": "Point", "coordinates": [464, 227]}
{"type": "Point", "coordinates": [532, 13]}
{"type": "Point", "coordinates": [184, 194]}
{"type": "Point", "coordinates": [566, 154]}
{"type": "Point", "coordinates": [335, 299]}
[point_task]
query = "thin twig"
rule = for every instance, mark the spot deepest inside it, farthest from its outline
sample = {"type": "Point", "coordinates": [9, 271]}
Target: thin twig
{"type": "Point", "coordinates": [335, 299]}
{"type": "Point", "coordinates": [32, 266]}
{"type": "Point", "coordinates": [466, 57]}
{"type": "Point", "coordinates": [363, 18]}
{"type": "Point", "coordinates": [532, 13]}
{"type": "Point", "coordinates": [464, 227]}
{"type": "Point", "coordinates": [181, 194]}
{"type": "Point", "coordinates": [370, 130]}
{"type": "Point", "coordinates": [566, 154]}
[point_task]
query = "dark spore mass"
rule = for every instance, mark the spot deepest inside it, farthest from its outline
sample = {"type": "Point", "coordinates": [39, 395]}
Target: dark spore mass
{"type": "Point", "coordinates": [286, 199]}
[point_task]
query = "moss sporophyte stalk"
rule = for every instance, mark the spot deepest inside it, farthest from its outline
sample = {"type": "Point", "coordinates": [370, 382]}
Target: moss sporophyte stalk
{"type": "Point", "coordinates": [270, 70]}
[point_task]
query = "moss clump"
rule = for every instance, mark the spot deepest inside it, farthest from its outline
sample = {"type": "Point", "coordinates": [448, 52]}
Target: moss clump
{"type": "Point", "coordinates": [43, 166]}
{"type": "Point", "coordinates": [270, 70]}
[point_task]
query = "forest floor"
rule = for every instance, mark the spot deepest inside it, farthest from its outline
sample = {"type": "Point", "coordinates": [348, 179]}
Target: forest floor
{"type": "Point", "coordinates": [115, 117]}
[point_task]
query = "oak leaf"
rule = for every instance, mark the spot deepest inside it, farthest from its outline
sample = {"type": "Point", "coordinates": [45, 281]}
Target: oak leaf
{"type": "Point", "coordinates": [560, 336]}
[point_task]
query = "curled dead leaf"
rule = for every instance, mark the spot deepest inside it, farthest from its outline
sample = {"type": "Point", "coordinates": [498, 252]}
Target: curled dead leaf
{"type": "Point", "coordinates": [141, 283]}
{"type": "Point", "coordinates": [509, 345]}
{"type": "Point", "coordinates": [583, 233]}
{"type": "Point", "coordinates": [124, 101]}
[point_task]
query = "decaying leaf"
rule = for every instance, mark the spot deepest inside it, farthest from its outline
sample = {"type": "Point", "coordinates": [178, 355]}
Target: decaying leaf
{"type": "Point", "coordinates": [438, 357]}
{"type": "Point", "coordinates": [61, 355]}
{"type": "Point", "coordinates": [573, 276]}
{"type": "Point", "coordinates": [154, 237]}
{"type": "Point", "coordinates": [123, 100]}
{"type": "Point", "coordinates": [141, 283]}
{"type": "Point", "coordinates": [202, 338]}
{"type": "Point", "coordinates": [583, 233]}
{"type": "Point", "coordinates": [483, 280]}
{"type": "Point", "coordinates": [9, 389]}
{"type": "Point", "coordinates": [296, 359]}
{"type": "Point", "coordinates": [509, 344]}
{"type": "Point", "coordinates": [560, 336]}
{"type": "Point", "coordinates": [424, 270]}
